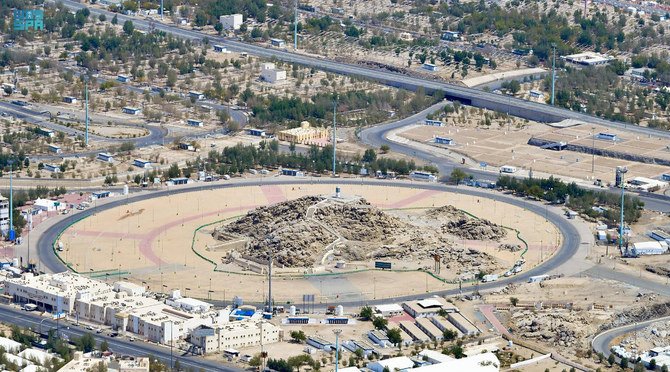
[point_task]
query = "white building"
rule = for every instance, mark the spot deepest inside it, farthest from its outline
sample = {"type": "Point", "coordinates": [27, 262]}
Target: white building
{"type": "Point", "coordinates": [270, 73]}
{"type": "Point", "coordinates": [234, 335]}
{"type": "Point", "coordinates": [231, 21]}
{"type": "Point", "coordinates": [645, 184]}
{"type": "Point", "coordinates": [649, 248]}
{"type": "Point", "coordinates": [48, 205]}
{"type": "Point", "coordinates": [392, 364]}
{"type": "Point", "coordinates": [588, 59]}
{"type": "Point", "coordinates": [121, 306]}
{"type": "Point", "coordinates": [388, 310]}
{"type": "Point", "coordinates": [484, 362]}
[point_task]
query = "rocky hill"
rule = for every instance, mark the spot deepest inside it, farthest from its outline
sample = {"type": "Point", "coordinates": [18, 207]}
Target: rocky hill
{"type": "Point", "coordinates": [300, 232]}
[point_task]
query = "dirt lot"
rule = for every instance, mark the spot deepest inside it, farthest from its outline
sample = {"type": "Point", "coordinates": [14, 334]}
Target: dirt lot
{"type": "Point", "coordinates": [502, 144]}
{"type": "Point", "coordinates": [150, 241]}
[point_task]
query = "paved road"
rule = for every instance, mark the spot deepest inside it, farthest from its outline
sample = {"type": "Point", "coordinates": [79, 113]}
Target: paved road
{"type": "Point", "coordinates": [475, 97]}
{"type": "Point", "coordinates": [119, 346]}
{"type": "Point", "coordinates": [570, 242]}
{"type": "Point", "coordinates": [377, 136]}
{"type": "Point", "coordinates": [601, 343]}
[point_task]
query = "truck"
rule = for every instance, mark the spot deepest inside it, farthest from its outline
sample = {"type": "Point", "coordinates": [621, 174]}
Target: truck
{"type": "Point", "coordinates": [490, 278]}
{"type": "Point", "coordinates": [537, 278]}
{"type": "Point", "coordinates": [508, 169]}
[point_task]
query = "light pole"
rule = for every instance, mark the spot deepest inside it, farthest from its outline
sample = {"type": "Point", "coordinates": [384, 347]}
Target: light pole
{"type": "Point", "coordinates": [621, 171]}
{"type": "Point", "coordinates": [334, 130]}
{"type": "Point", "coordinates": [86, 98]}
{"type": "Point", "coordinates": [11, 204]}
{"type": "Point", "coordinates": [295, 27]}
{"type": "Point", "coordinates": [593, 149]}
{"type": "Point", "coordinates": [337, 348]}
{"type": "Point", "coordinates": [553, 74]}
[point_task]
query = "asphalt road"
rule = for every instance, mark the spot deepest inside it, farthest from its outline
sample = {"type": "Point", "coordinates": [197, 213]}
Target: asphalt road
{"type": "Point", "coordinates": [376, 136]}
{"type": "Point", "coordinates": [120, 346]}
{"type": "Point", "coordinates": [601, 343]}
{"type": "Point", "coordinates": [475, 97]}
{"type": "Point", "coordinates": [570, 242]}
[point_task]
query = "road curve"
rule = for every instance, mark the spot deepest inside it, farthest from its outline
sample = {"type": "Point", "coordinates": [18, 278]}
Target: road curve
{"type": "Point", "coordinates": [376, 136]}
{"type": "Point", "coordinates": [475, 97]}
{"type": "Point", "coordinates": [570, 242]}
{"type": "Point", "coordinates": [602, 341]}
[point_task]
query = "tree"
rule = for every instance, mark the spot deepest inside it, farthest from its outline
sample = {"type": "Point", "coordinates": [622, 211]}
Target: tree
{"type": "Point", "coordinates": [395, 337]}
{"type": "Point", "coordinates": [174, 171]}
{"type": "Point", "coordinates": [449, 335]}
{"type": "Point", "coordinates": [611, 359]}
{"type": "Point", "coordinates": [366, 313]}
{"type": "Point", "coordinates": [458, 175]}
{"type": "Point", "coordinates": [128, 27]}
{"type": "Point", "coordinates": [380, 323]}
{"type": "Point", "coordinates": [624, 363]}
{"type": "Point", "coordinates": [664, 368]}
{"type": "Point", "coordinates": [47, 50]}
{"type": "Point", "coordinates": [291, 147]}
{"type": "Point", "coordinates": [171, 78]}
{"type": "Point", "coordinates": [104, 346]}
{"type": "Point", "coordinates": [115, 20]}
{"type": "Point", "coordinates": [86, 343]}
{"type": "Point", "coordinates": [514, 301]}
{"type": "Point", "coordinates": [102, 18]}
{"type": "Point", "coordinates": [177, 365]}
{"type": "Point", "coordinates": [298, 336]}
{"type": "Point", "coordinates": [384, 149]}
{"type": "Point", "coordinates": [369, 156]}
{"type": "Point", "coordinates": [455, 350]}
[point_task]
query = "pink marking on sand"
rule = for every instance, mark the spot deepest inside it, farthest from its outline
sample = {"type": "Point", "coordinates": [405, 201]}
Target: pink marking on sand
{"type": "Point", "coordinates": [273, 194]}
{"type": "Point", "coordinates": [487, 310]}
{"type": "Point", "coordinates": [146, 244]}
{"type": "Point", "coordinates": [106, 234]}
{"type": "Point", "coordinates": [413, 199]}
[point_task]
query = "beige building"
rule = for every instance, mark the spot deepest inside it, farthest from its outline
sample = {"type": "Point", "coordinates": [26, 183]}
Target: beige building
{"type": "Point", "coordinates": [234, 335]}
{"type": "Point", "coordinates": [302, 134]}
{"type": "Point", "coordinates": [123, 306]}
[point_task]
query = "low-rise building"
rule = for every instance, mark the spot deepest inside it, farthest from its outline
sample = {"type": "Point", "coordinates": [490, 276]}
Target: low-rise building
{"type": "Point", "coordinates": [52, 168]}
{"type": "Point", "coordinates": [132, 110]}
{"type": "Point", "coordinates": [277, 43]}
{"type": "Point", "coordinates": [392, 364]}
{"type": "Point", "coordinates": [388, 310]}
{"type": "Point", "coordinates": [234, 335]}
{"type": "Point", "coordinates": [463, 324]}
{"type": "Point", "coordinates": [54, 148]}
{"type": "Point", "coordinates": [303, 133]}
{"type": "Point", "coordinates": [648, 248]}
{"type": "Point", "coordinates": [141, 163]}
{"type": "Point", "coordinates": [194, 123]}
{"type": "Point", "coordinates": [588, 59]}
{"type": "Point", "coordinates": [106, 157]}
{"type": "Point", "coordinates": [428, 307]}
{"type": "Point", "coordinates": [231, 21]}
{"type": "Point", "coordinates": [69, 99]}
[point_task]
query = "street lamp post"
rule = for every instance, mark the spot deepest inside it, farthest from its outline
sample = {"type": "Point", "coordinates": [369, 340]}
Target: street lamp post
{"type": "Point", "coordinates": [621, 171]}
{"type": "Point", "coordinates": [337, 348]}
{"type": "Point", "coordinates": [11, 203]}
